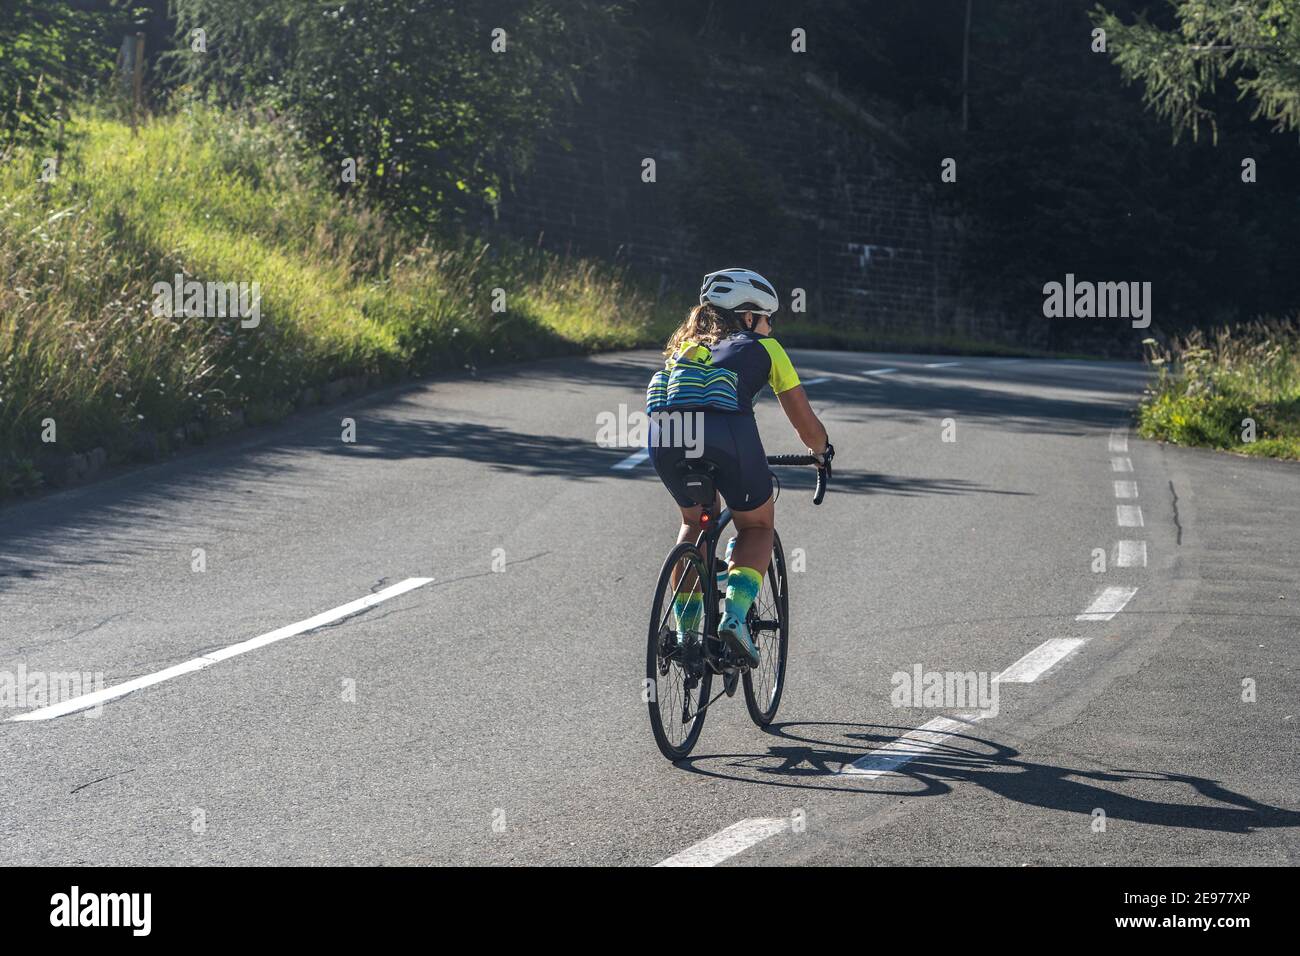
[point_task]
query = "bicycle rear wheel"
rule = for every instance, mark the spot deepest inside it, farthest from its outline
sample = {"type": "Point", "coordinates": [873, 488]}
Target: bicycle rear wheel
{"type": "Point", "coordinates": [677, 677]}
{"type": "Point", "coordinates": [769, 624]}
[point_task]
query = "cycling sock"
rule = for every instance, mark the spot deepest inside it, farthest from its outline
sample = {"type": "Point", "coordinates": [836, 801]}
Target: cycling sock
{"type": "Point", "coordinates": [742, 588]}
{"type": "Point", "coordinates": [688, 608]}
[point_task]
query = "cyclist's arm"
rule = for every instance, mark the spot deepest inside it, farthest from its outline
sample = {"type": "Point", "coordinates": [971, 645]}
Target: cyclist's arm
{"type": "Point", "coordinates": [805, 421]}
{"type": "Point", "coordinates": [785, 383]}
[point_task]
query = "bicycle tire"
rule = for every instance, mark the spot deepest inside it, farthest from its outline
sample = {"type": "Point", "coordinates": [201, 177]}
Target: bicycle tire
{"type": "Point", "coordinates": [704, 679]}
{"type": "Point", "coordinates": [775, 651]}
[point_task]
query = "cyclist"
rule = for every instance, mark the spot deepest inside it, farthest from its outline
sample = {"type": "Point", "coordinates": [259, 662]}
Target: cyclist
{"type": "Point", "coordinates": [717, 362]}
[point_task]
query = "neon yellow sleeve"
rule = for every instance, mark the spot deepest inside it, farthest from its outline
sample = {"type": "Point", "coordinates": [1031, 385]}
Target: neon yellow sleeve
{"type": "Point", "coordinates": [782, 377]}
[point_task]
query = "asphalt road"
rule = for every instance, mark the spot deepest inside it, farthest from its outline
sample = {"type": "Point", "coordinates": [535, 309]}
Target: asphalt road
{"type": "Point", "coordinates": [493, 714]}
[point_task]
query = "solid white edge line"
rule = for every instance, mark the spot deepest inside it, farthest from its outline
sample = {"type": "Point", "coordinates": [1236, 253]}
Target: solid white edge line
{"type": "Point", "coordinates": [727, 843]}
{"type": "Point", "coordinates": [1131, 554]}
{"type": "Point", "coordinates": [1129, 516]}
{"type": "Point", "coordinates": [1040, 660]}
{"type": "Point", "coordinates": [207, 660]}
{"type": "Point", "coordinates": [1107, 604]}
{"type": "Point", "coordinates": [1126, 489]}
{"type": "Point", "coordinates": [913, 744]}
{"type": "Point", "coordinates": [632, 460]}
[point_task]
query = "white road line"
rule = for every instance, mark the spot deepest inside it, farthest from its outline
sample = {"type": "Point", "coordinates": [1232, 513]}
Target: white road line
{"type": "Point", "coordinates": [1040, 660]}
{"type": "Point", "coordinates": [879, 371]}
{"type": "Point", "coordinates": [727, 843]}
{"type": "Point", "coordinates": [1126, 489]}
{"type": "Point", "coordinates": [941, 364]}
{"type": "Point", "coordinates": [1128, 516]}
{"type": "Point", "coordinates": [1121, 464]}
{"type": "Point", "coordinates": [631, 461]}
{"type": "Point", "coordinates": [913, 744]}
{"type": "Point", "coordinates": [1119, 440]}
{"type": "Point", "coordinates": [207, 660]}
{"type": "Point", "coordinates": [1131, 554]}
{"type": "Point", "coordinates": [817, 381]}
{"type": "Point", "coordinates": [1107, 604]}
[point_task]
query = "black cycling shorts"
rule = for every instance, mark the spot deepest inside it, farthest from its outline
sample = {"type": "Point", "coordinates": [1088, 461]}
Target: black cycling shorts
{"type": "Point", "coordinates": [729, 440]}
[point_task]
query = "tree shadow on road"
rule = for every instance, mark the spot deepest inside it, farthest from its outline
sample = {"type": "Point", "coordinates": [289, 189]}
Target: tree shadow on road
{"type": "Point", "coordinates": [809, 754]}
{"type": "Point", "coordinates": [111, 523]}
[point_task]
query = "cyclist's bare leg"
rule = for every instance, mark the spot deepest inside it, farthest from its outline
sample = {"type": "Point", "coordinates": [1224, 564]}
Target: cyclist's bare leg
{"type": "Point", "coordinates": [690, 531]}
{"type": "Point", "coordinates": [690, 524]}
{"type": "Point", "coordinates": [754, 536]}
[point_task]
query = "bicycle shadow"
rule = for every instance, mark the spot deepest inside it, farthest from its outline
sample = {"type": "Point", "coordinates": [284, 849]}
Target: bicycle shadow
{"type": "Point", "coordinates": [809, 761]}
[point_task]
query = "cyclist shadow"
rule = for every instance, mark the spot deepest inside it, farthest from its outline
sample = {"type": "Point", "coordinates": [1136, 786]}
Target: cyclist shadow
{"type": "Point", "coordinates": [805, 760]}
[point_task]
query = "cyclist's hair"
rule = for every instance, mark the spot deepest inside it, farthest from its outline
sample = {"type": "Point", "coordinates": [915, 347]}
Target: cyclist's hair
{"type": "Point", "coordinates": [707, 325]}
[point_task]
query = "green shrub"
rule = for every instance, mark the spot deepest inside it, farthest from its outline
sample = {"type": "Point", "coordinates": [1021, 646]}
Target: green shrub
{"type": "Point", "coordinates": [1210, 385]}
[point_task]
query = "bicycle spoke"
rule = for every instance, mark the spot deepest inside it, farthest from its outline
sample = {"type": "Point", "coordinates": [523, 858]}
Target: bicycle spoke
{"type": "Point", "coordinates": [679, 684]}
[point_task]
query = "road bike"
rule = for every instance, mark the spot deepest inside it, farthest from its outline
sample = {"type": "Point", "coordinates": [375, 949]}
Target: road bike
{"type": "Point", "coordinates": [681, 662]}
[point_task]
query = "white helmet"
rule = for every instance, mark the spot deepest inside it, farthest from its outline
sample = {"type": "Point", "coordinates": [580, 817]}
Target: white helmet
{"type": "Point", "coordinates": [739, 290]}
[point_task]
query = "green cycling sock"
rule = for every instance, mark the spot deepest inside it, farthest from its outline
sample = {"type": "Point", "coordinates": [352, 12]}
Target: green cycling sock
{"type": "Point", "coordinates": [742, 587]}
{"type": "Point", "coordinates": [688, 608]}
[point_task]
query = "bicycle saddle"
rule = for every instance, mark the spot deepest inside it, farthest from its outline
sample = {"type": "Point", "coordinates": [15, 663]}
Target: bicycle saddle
{"type": "Point", "coordinates": [697, 477]}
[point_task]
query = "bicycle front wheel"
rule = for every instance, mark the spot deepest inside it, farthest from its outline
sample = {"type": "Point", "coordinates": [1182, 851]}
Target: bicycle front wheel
{"type": "Point", "coordinates": [769, 624]}
{"type": "Point", "coordinates": [677, 676]}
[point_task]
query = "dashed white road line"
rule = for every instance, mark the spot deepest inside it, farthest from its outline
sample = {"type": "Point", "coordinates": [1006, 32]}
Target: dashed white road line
{"type": "Point", "coordinates": [817, 381]}
{"type": "Point", "coordinates": [1119, 440]}
{"type": "Point", "coordinates": [913, 744]}
{"type": "Point", "coordinates": [632, 460]}
{"type": "Point", "coordinates": [1128, 516]}
{"type": "Point", "coordinates": [879, 371]}
{"type": "Point", "coordinates": [1107, 604]}
{"type": "Point", "coordinates": [98, 697]}
{"type": "Point", "coordinates": [941, 364]}
{"type": "Point", "coordinates": [1131, 554]}
{"type": "Point", "coordinates": [1126, 489]}
{"type": "Point", "coordinates": [1121, 464]}
{"type": "Point", "coordinates": [727, 843]}
{"type": "Point", "coordinates": [1040, 660]}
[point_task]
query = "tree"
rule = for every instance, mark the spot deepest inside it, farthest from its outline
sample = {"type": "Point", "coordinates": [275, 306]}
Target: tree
{"type": "Point", "coordinates": [47, 53]}
{"type": "Point", "coordinates": [1065, 171]}
{"type": "Point", "coordinates": [434, 103]}
{"type": "Point", "coordinates": [1254, 43]}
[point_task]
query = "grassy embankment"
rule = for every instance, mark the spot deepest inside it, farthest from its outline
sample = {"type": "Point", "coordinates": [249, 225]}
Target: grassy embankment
{"type": "Point", "coordinates": [1209, 385]}
{"type": "Point", "coordinates": [345, 296]}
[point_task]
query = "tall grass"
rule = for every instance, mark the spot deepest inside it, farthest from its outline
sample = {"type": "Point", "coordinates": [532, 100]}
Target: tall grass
{"type": "Point", "coordinates": [217, 197]}
{"type": "Point", "coordinates": [1211, 386]}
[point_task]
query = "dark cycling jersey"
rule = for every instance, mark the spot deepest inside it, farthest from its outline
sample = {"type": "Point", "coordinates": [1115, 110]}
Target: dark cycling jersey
{"type": "Point", "coordinates": [721, 382]}
{"type": "Point", "coordinates": [725, 377]}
